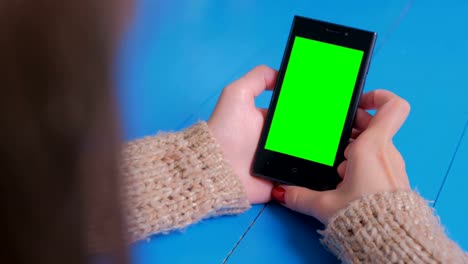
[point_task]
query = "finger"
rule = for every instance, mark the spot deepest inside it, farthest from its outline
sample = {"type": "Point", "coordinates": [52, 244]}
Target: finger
{"type": "Point", "coordinates": [258, 190]}
{"type": "Point", "coordinates": [342, 169]}
{"type": "Point", "coordinates": [392, 112]}
{"type": "Point", "coordinates": [363, 119]}
{"type": "Point", "coordinates": [355, 133]}
{"type": "Point", "coordinates": [257, 80]}
{"type": "Point", "coordinates": [264, 112]}
{"type": "Point", "coordinates": [375, 99]}
{"type": "Point", "coordinates": [305, 201]}
{"type": "Point", "coordinates": [347, 150]}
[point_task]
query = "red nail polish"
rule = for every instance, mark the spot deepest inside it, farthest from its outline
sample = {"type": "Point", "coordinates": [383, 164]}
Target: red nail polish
{"type": "Point", "coordinates": [278, 194]}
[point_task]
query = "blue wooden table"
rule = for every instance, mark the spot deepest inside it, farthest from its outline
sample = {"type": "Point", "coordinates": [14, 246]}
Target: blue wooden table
{"type": "Point", "coordinates": [179, 54]}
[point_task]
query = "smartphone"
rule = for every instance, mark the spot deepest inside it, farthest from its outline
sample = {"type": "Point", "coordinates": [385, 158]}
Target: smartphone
{"type": "Point", "coordinates": [314, 102]}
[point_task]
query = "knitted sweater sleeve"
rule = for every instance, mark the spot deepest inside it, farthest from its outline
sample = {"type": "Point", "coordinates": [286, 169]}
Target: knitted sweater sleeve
{"type": "Point", "coordinates": [394, 227]}
{"type": "Point", "coordinates": [172, 180]}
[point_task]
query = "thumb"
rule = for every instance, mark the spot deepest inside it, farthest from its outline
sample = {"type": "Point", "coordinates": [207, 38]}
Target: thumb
{"type": "Point", "coordinates": [303, 200]}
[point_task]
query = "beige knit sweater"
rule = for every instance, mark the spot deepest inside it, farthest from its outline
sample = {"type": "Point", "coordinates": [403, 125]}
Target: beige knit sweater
{"type": "Point", "coordinates": [176, 179]}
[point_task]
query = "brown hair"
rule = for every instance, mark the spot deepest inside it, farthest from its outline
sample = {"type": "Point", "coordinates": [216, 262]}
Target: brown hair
{"type": "Point", "coordinates": [58, 142]}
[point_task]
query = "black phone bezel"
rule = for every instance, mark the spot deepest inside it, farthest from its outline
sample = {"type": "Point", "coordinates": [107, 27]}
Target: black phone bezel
{"type": "Point", "coordinates": [293, 170]}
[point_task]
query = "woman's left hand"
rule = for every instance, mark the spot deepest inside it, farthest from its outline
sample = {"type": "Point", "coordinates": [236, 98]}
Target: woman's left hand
{"type": "Point", "coordinates": [236, 124]}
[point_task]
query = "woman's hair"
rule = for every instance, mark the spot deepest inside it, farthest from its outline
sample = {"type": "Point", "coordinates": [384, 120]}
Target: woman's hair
{"type": "Point", "coordinates": [59, 199]}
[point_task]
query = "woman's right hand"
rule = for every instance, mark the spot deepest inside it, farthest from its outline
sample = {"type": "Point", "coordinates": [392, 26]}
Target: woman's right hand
{"type": "Point", "coordinates": [372, 165]}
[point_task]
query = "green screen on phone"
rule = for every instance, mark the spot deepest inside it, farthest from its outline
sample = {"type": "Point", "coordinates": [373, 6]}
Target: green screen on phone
{"type": "Point", "coordinates": [314, 99]}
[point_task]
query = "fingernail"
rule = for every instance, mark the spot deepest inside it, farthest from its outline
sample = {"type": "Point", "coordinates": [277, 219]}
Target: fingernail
{"type": "Point", "coordinates": [278, 194]}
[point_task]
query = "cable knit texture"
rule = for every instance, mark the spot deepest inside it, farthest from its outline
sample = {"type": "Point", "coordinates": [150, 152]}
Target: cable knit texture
{"type": "Point", "coordinates": [393, 227]}
{"type": "Point", "coordinates": [175, 179]}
